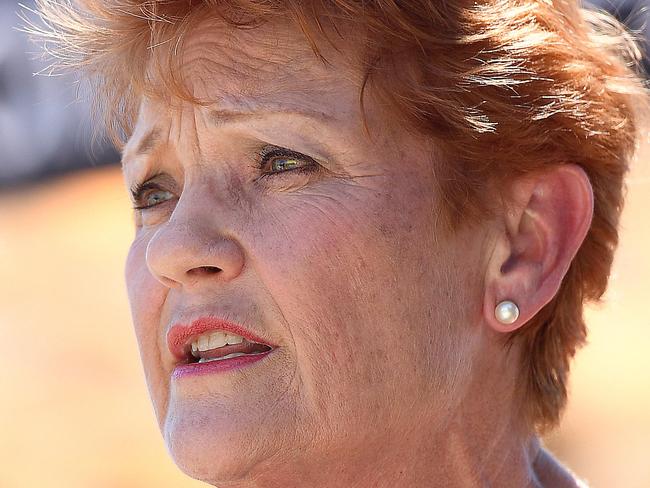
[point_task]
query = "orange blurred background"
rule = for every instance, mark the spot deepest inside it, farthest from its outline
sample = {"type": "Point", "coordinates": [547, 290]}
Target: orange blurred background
{"type": "Point", "coordinates": [74, 410]}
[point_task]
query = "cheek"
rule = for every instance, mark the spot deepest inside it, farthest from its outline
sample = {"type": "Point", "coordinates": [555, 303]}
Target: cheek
{"type": "Point", "coordinates": [357, 281]}
{"type": "Point", "coordinates": [146, 299]}
{"type": "Point", "coordinates": [141, 287]}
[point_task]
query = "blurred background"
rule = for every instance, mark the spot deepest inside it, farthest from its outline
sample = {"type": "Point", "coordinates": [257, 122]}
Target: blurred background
{"type": "Point", "coordinates": [74, 410]}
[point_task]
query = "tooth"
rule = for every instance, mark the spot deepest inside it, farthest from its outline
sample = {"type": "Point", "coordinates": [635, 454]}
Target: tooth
{"type": "Point", "coordinates": [234, 339]}
{"type": "Point", "coordinates": [217, 339]}
{"type": "Point", "coordinates": [195, 346]}
{"type": "Point", "coordinates": [231, 355]}
{"type": "Point", "coordinates": [204, 343]}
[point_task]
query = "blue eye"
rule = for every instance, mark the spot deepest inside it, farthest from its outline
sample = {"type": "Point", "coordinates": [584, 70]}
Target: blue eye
{"type": "Point", "coordinates": [280, 161]}
{"type": "Point", "coordinates": [155, 197]}
{"type": "Point", "coordinates": [148, 195]}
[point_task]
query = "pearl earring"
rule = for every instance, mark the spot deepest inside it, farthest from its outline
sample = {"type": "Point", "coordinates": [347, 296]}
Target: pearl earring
{"type": "Point", "coordinates": [507, 312]}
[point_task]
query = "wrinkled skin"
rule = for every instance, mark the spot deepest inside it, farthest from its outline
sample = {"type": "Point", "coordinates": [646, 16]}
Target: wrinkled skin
{"type": "Point", "coordinates": [384, 373]}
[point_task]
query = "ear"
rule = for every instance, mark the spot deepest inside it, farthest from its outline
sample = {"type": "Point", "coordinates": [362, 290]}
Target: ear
{"type": "Point", "coordinates": [543, 229]}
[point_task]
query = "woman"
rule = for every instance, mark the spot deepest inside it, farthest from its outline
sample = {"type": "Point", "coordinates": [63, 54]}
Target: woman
{"type": "Point", "coordinates": [365, 231]}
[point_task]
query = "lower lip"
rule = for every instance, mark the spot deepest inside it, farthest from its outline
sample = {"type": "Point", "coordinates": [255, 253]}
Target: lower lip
{"type": "Point", "coordinates": [214, 367]}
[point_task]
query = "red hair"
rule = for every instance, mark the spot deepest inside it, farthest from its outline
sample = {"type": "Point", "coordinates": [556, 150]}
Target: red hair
{"type": "Point", "coordinates": [504, 87]}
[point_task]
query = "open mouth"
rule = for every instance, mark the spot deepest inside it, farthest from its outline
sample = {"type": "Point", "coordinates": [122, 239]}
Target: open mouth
{"type": "Point", "coordinates": [219, 346]}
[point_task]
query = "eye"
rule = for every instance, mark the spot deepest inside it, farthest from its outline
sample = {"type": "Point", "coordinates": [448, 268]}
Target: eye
{"type": "Point", "coordinates": [275, 160]}
{"type": "Point", "coordinates": [148, 195]}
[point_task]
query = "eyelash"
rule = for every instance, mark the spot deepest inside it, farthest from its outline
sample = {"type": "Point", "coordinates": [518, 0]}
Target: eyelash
{"type": "Point", "coordinates": [265, 155]}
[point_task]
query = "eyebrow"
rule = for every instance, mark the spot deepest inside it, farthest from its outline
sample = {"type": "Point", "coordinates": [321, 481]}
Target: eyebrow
{"type": "Point", "coordinates": [220, 117]}
{"type": "Point", "coordinates": [225, 116]}
{"type": "Point", "coordinates": [148, 142]}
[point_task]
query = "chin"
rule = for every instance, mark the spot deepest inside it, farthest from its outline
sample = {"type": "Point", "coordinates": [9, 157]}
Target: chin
{"type": "Point", "coordinates": [223, 427]}
{"type": "Point", "coordinates": [206, 450]}
{"type": "Point", "coordinates": [221, 439]}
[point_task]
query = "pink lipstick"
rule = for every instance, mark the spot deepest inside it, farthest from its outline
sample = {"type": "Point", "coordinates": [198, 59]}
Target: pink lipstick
{"type": "Point", "coordinates": [195, 357]}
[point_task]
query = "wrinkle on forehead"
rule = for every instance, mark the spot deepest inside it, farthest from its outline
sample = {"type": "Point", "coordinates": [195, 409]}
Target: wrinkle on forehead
{"type": "Point", "coordinates": [273, 60]}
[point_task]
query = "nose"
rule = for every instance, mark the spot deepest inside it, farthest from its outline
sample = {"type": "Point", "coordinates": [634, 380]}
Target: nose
{"type": "Point", "coordinates": [191, 250]}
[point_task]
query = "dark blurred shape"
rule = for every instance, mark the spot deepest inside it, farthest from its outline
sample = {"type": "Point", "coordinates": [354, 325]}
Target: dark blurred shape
{"type": "Point", "coordinates": [635, 14]}
{"type": "Point", "coordinates": [43, 129]}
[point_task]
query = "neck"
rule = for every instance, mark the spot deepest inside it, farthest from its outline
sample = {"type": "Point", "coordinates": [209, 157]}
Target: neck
{"type": "Point", "coordinates": [455, 461]}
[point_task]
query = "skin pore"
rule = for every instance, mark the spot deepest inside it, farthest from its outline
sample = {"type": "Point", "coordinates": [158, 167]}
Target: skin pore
{"type": "Point", "coordinates": [390, 369]}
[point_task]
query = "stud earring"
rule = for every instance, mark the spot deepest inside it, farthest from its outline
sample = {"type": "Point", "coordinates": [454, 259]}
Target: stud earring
{"type": "Point", "coordinates": [506, 312]}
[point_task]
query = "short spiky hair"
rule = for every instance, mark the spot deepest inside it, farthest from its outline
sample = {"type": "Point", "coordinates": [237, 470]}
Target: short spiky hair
{"type": "Point", "coordinates": [504, 87]}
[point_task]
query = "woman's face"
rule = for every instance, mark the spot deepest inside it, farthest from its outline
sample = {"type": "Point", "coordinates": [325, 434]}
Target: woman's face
{"type": "Point", "coordinates": [334, 258]}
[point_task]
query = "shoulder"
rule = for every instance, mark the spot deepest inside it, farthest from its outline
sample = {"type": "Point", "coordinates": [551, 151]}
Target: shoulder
{"type": "Point", "coordinates": [551, 473]}
{"type": "Point", "coordinates": [581, 484]}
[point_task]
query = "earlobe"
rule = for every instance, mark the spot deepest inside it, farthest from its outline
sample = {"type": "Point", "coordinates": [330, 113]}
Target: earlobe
{"type": "Point", "coordinates": [549, 217]}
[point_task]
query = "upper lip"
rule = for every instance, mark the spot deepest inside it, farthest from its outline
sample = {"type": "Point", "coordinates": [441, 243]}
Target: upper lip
{"type": "Point", "coordinates": [180, 336]}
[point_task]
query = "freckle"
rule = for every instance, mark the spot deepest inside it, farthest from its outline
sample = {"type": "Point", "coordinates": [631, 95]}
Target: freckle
{"type": "Point", "coordinates": [385, 231]}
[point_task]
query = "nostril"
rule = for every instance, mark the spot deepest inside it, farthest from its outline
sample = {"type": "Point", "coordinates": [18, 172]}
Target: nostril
{"type": "Point", "coordinates": [204, 270]}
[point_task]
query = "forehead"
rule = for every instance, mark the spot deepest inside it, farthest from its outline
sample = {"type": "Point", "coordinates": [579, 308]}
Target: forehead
{"type": "Point", "coordinates": [271, 62]}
